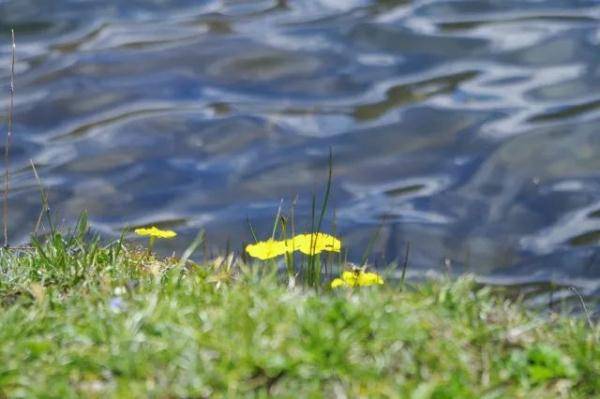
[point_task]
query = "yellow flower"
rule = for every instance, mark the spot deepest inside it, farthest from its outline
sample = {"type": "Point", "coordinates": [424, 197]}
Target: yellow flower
{"type": "Point", "coordinates": [338, 282]}
{"type": "Point", "coordinates": [311, 244]}
{"type": "Point", "coordinates": [366, 279]}
{"type": "Point", "coordinates": [357, 278]}
{"type": "Point", "coordinates": [302, 242]}
{"type": "Point", "coordinates": [266, 249]}
{"type": "Point", "coordinates": [155, 232]}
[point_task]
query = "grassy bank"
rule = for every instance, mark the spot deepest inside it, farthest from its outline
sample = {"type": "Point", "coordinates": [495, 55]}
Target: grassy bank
{"type": "Point", "coordinates": [78, 319]}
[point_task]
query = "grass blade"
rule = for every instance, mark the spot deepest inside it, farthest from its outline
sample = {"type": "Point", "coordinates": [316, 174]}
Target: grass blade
{"type": "Point", "coordinates": [405, 264]}
{"type": "Point", "coordinates": [191, 248]}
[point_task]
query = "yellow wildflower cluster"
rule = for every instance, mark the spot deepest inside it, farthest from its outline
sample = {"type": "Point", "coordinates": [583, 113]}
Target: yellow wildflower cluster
{"type": "Point", "coordinates": [357, 278]}
{"type": "Point", "coordinates": [308, 244]}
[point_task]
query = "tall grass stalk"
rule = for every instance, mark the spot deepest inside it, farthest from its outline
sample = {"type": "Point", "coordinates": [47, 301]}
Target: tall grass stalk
{"type": "Point", "coordinates": [45, 211]}
{"type": "Point", "coordinates": [289, 255]}
{"type": "Point", "coordinates": [9, 133]}
{"type": "Point", "coordinates": [405, 264]}
{"type": "Point", "coordinates": [371, 244]}
{"type": "Point", "coordinates": [251, 228]}
{"type": "Point", "coordinates": [314, 261]}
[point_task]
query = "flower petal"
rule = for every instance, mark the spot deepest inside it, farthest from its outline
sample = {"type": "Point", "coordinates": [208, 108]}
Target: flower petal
{"type": "Point", "coordinates": [366, 279]}
{"type": "Point", "coordinates": [338, 282]}
{"type": "Point", "coordinates": [266, 249]}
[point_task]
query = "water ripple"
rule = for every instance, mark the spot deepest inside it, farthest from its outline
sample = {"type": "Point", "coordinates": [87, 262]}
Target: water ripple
{"type": "Point", "coordinates": [468, 128]}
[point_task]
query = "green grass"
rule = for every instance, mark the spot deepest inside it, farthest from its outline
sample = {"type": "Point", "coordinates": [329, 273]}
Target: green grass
{"type": "Point", "coordinates": [78, 319]}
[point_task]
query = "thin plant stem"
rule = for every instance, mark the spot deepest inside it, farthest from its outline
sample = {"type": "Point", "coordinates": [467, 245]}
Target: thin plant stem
{"type": "Point", "coordinates": [371, 243]}
{"type": "Point", "coordinates": [312, 266]}
{"type": "Point", "coordinates": [326, 199]}
{"type": "Point", "coordinates": [150, 245]}
{"type": "Point", "coordinates": [311, 256]}
{"type": "Point", "coordinates": [329, 260]}
{"type": "Point", "coordinates": [405, 264]}
{"type": "Point", "coordinates": [293, 224]}
{"type": "Point", "coordinates": [254, 237]}
{"type": "Point", "coordinates": [8, 140]}
{"type": "Point", "coordinates": [277, 219]}
{"type": "Point", "coordinates": [583, 305]}
{"type": "Point", "coordinates": [289, 255]}
{"type": "Point", "coordinates": [187, 253]}
{"type": "Point", "coordinates": [199, 240]}
{"type": "Point", "coordinates": [45, 203]}
{"type": "Point", "coordinates": [119, 247]}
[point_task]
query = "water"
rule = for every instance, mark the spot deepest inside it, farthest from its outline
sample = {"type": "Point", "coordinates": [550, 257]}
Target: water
{"type": "Point", "coordinates": [470, 129]}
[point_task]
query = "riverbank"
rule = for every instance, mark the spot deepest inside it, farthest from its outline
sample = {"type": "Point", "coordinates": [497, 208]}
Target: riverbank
{"type": "Point", "coordinates": [79, 319]}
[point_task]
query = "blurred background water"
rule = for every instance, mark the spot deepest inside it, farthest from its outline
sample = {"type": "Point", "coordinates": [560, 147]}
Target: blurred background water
{"type": "Point", "coordinates": [470, 129]}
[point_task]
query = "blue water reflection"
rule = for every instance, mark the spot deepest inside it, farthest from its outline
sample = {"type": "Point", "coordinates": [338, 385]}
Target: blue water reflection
{"type": "Point", "coordinates": [468, 128]}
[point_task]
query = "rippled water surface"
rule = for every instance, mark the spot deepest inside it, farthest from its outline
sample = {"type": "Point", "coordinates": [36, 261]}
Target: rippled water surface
{"type": "Point", "coordinates": [470, 129]}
